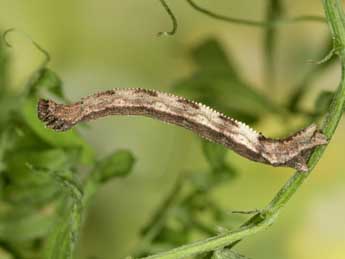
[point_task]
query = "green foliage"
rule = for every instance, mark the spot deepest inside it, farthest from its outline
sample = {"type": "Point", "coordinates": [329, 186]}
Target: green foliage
{"type": "Point", "coordinates": [215, 155]}
{"type": "Point", "coordinates": [323, 101]}
{"type": "Point", "coordinates": [303, 87]}
{"type": "Point", "coordinates": [48, 80]}
{"type": "Point", "coordinates": [189, 208]}
{"type": "Point", "coordinates": [216, 82]}
{"type": "Point", "coordinates": [67, 140]}
{"type": "Point", "coordinates": [118, 164]}
{"type": "Point", "coordinates": [42, 200]}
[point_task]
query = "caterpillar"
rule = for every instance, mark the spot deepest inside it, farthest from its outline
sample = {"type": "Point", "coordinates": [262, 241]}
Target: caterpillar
{"type": "Point", "coordinates": [292, 151]}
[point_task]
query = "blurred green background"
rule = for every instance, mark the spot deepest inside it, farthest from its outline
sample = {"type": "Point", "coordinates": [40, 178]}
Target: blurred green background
{"type": "Point", "coordinates": [98, 45]}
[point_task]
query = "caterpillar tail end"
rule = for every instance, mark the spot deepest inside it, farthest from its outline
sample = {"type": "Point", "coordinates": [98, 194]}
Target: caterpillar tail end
{"type": "Point", "coordinates": [48, 113]}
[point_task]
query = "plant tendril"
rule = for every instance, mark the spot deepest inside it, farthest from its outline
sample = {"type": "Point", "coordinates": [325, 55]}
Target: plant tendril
{"type": "Point", "coordinates": [247, 212]}
{"type": "Point", "coordinates": [173, 20]}
{"type": "Point", "coordinates": [329, 55]}
{"type": "Point", "coordinates": [255, 23]}
{"type": "Point", "coordinates": [42, 50]}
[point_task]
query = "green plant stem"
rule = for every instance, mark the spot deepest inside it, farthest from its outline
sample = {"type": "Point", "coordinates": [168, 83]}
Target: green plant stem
{"type": "Point", "coordinates": [275, 11]}
{"type": "Point", "coordinates": [152, 229]}
{"type": "Point", "coordinates": [261, 221]}
{"type": "Point", "coordinates": [3, 70]}
{"type": "Point", "coordinates": [263, 24]}
{"type": "Point", "coordinates": [336, 18]}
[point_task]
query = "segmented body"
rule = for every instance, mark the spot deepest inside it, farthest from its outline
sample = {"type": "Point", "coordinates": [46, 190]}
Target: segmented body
{"type": "Point", "coordinates": [197, 117]}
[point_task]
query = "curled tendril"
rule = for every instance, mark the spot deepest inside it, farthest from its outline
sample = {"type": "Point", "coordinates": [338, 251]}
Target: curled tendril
{"type": "Point", "coordinates": [328, 57]}
{"type": "Point", "coordinates": [173, 20]}
{"type": "Point", "coordinates": [274, 23]}
{"type": "Point", "coordinates": [42, 50]}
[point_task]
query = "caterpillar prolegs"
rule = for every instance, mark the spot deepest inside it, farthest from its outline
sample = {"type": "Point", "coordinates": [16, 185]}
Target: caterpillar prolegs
{"type": "Point", "coordinates": [292, 151]}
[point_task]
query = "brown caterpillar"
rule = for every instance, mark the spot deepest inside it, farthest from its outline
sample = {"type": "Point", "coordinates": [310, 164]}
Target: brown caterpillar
{"type": "Point", "coordinates": [292, 151]}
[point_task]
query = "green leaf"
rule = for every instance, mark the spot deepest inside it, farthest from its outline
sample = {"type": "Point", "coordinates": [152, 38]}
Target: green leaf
{"type": "Point", "coordinates": [303, 87]}
{"type": "Point", "coordinates": [24, 137]}
{"type": "Point", "coordinates": [118, 164]}
{"type": "Point", "coordinates": [211, 55]}
{"type": "Point", "coordinates": [214, 153]}
{"type": "Point", "coordinates": [217, 83]}
{"type": "Point", "coordinates": [220, 169]}
{"type": "Point", "coordinates": [69, 139]}
{"type": "Point", "coordinates": [63, 239]}
{"type": "Point", "coordinates": [8, 104]}
{"type": "Point", "coordinates": [28, 187]}
{"type": "Point", "coordinates": [30, 195]}
{"type": "Point", "coordinates": [218, 90]}
{"type": "Point", "coordinates": [51, 159]}
{"type": "Point", "coordinates": [201, 181]}
{"type": "Point", "coordinates": [5, 254]}
{"type": "Point", "coordinates": [223, 174]}
{"type": "Point", "coordinates": [7, 139]}
{"type": "Point", "coordinates": [46, 79]}
{"type": "Point", "coordinates": [26, 227]}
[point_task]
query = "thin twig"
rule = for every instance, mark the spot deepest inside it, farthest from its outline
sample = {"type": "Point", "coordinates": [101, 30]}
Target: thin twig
{"type": "Point", "coordinates": [173, 20]}
{"type": "Point", "coordinates": [325, 59]}
{"type": "Point", "coordinates": [263, 24]}
{"type": "Point", "coordinates": [275, 11]}
{"type": "Point", "coordinates": [160, 217]}
{"type": "Point", "coordinates": [38, 46]}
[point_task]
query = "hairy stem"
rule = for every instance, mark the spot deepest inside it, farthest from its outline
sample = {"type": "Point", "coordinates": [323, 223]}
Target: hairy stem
{"type": "Point", "coordinates": [259, 222]}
